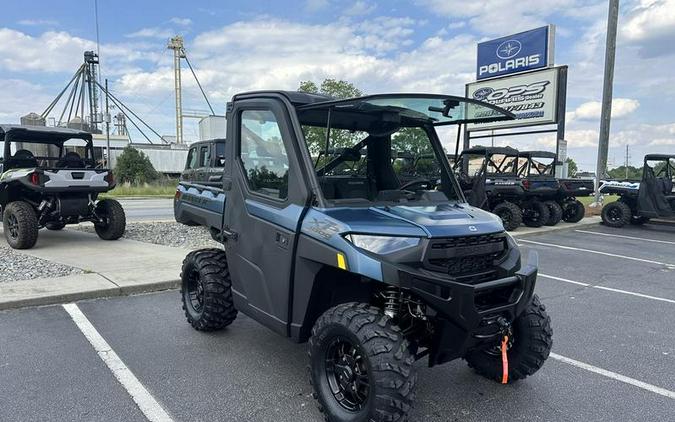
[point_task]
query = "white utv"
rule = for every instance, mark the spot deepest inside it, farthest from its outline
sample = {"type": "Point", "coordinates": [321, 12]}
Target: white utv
{"type": "Point", "coordinates": [49, 178]}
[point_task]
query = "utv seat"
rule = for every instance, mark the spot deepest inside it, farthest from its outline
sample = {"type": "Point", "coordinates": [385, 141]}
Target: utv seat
{"type": "Point", "coordinates": [24, 159]}
{"type": "Point", "coordinates": [345, 187]}
{"type": "Point", "coordinates": [70, 160]}
{"type": "Point", "coordinates": [667, 185]}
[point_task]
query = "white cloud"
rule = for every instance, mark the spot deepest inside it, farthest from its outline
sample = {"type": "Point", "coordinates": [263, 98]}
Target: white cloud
{"type": "Point", "coordinates": [621, 107]}
{"type": "Point", "coordinates": [181, 21]}
{"type": "Point", "coordinates": [25, 97]}
{"type": "Point", "coordinates": [651, 27]}
{"type": "Point", "coordinates": [154, 32]}
{"type": "Point", "coordinates": [500, 17]}
{"type": "Point", "coordinates": [51, 51]}
{"type": "Point", "coordinates": [360, 8]}
{"type": "Point", "coordinates": [663, 141]}
{"type": "Point", "coordinates": [316, 5]}
{"type": "Point", "coordinates": [38, 22]}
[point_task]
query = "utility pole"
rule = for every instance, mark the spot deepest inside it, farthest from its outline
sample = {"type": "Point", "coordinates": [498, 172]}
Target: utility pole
{"type": "Point", "coordinates": [107, 127]}
{"type": "Point", "coordinates": [176, 44]}
{"type": "Point", "coordinates": [627, 161]}
{"type": "Point", "coordinates": [606, 117]}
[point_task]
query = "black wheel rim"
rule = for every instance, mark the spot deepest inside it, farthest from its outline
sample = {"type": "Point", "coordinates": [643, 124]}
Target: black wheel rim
{"type": "Point", "coordinates": [13, 226]}
{"type": "Point", "coordinates": [506, 217]}
{"type": "Point", "coordinates": [614, 214]}
{"type": "Point", "coordinates": [533, 214]}
{"type": "Point", "coordinates": [347, 374]}
{"type": "Point", "coordinates": [194, 292]}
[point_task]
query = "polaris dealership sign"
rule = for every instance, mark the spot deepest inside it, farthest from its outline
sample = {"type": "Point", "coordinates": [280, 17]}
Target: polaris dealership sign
{"type": "Point", "coordinates": [516, 53]}
{"type": "Point", "coordinates": [532, 97]}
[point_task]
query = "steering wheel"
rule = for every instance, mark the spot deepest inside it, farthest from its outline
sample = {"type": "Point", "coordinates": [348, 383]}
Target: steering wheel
{"type": "Point", "coordinates": [418, 184]}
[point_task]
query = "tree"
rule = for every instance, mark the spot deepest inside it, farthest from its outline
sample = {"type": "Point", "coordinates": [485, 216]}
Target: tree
{"type": "Point", "coordinates": [632, 173]}
{"type": "Point", "coordinates": [572, 167]}
{"type": "Point", "coordinates": [316, 136]}
{"type": "Point", "coordinates": [134, 167]}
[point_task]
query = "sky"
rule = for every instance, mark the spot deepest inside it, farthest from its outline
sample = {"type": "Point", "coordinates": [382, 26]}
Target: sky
{"type": "Point", "coordinates": [387, 46]}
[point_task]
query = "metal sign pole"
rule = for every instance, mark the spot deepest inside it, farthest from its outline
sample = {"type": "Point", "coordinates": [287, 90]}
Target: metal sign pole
{"type": "Point", "coordinates": [561, 110]}
{"type": "Point", "coordinates": [107, 127]}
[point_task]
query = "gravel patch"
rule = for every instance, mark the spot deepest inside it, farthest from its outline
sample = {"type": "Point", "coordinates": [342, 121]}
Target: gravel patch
{"type": "Point", "coordinates": [168, 234]}
{"type": "Point", "coordinates": [16, 266]}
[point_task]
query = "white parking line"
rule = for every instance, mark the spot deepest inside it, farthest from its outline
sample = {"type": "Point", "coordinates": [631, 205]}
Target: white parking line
{"type": "Point", "coordinates": [571, 248]}
{"type": "Point", "coordinates": [667, 242]}
{"type": "Point", "coordinates": [148, 405]}
{"type": "Point", "coordinates": [610, 289]}
{"type": "Point", "coordinates": [615, 376]}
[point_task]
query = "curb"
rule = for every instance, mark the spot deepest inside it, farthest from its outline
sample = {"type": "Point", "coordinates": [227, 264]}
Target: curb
{"type": "Point", "coordinates": [56, 298]}
{"type": "Point", "coordinates": [557, 228]}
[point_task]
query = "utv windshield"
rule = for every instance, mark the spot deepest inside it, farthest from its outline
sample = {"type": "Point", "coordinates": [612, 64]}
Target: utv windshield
{"type": "Point", "coordinates": [384, 149]}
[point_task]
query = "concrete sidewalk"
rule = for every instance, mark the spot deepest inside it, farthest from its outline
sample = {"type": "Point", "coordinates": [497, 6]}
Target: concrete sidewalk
{"type": "Point", "coordinates": [111, 268]}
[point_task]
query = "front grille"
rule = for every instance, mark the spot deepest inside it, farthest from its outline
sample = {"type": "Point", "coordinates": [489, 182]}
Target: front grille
{"type": "Point", "coordinates": [470, 259]}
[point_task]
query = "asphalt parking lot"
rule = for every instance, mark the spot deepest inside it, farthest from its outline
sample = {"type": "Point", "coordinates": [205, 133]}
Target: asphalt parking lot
{"type": "Point", "coordinates": [610, 294]}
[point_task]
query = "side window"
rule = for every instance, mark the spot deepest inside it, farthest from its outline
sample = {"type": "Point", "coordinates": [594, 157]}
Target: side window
{"type": "Point", "coordinates": [192, 159]}
{"type": "Point", "coordinates": [220, 154]}
{"type": "Point", "coordinates": [204, 156]}
{"type": "Point", "coordinates": [263, 154]}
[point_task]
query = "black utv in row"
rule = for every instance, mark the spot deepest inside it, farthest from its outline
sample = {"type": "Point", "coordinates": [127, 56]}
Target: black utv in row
{"type": "Point", "coordinates": [520, 187]}
{"type": "Point", "coordinates": [652, 197]}
{"type": "Point", "coordinates": [537, 171]}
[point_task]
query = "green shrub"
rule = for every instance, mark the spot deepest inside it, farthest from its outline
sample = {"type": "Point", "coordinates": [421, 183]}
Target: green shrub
{"type": "Point", "coordinates": [134, 167]}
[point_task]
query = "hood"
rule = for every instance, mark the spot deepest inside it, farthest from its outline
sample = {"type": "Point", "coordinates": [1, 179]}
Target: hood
{"type": "Point", "coordinates": [443, 220]}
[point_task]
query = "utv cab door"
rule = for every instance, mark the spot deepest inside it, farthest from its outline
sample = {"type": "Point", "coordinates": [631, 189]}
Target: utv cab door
{"type": "Point", "coordinates": [266, 200]}
{"type": "Point", "coordinates": [655, 197]}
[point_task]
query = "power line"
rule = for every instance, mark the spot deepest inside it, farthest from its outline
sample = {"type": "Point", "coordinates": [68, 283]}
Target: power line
{"type": "Point", "coordinates": [198, 84]}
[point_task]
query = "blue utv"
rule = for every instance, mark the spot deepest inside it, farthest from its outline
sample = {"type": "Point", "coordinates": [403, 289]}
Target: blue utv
{"type": "Point", "coordinates": [326, 241]}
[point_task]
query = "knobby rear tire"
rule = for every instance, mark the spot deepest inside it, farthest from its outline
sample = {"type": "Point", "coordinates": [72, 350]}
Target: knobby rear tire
{"type": "Point", "coordinates": [510, 213]}
{"type": "Point", "coordinates": [115, 221]}
{"type": "Point", "coordinates": [211, 269]}
{"type": "Point", "coordinates": [21, 218]}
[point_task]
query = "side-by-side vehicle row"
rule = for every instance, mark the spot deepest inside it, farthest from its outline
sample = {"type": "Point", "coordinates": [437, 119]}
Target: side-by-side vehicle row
{"type": "Point", "coordinates": [520, 187]}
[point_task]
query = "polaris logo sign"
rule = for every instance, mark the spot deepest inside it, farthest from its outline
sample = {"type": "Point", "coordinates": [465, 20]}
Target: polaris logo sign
{"type": "Point", "coordinates": [532, 97]}
{"type": "Point", "coordinates": [516, 53]}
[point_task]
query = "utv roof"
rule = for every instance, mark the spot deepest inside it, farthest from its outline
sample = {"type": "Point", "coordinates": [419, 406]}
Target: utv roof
{"type": "Point", "coordinates": [658, 157]}
{"type": "Point", "coordinates": [298, 98]}
{"type": "Point", "coordinates": [39, 133]}
{"type": "Point", "coordinates": [538, 154]}
{"type": "Point", "coordinates": [435, 108]}
{"type": "Point", "coordinates": [479, 150]}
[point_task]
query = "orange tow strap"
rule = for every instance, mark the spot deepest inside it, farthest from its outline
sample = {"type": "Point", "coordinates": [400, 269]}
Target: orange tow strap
{"type": "Point", "coordinates": [505, 361]}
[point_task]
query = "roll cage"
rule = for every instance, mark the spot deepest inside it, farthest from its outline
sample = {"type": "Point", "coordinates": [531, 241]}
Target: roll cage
{"type": "Point", "coordinates": [531, 167]}
{"type": "Point", "coordinates": [42, 136]}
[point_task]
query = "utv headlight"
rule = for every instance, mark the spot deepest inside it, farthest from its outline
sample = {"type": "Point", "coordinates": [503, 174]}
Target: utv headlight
{"type": "Point", "coordinates": [382, 244]}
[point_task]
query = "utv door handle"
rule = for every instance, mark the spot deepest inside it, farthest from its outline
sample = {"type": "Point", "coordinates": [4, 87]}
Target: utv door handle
{"type": "Point", "coordinates": [229, 234]}
{"type": "Point", "coordinates": [282, 240]}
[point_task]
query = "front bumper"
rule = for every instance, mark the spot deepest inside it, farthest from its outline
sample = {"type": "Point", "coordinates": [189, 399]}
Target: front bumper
{"type": "Point", "coordinates": [466, 315]}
